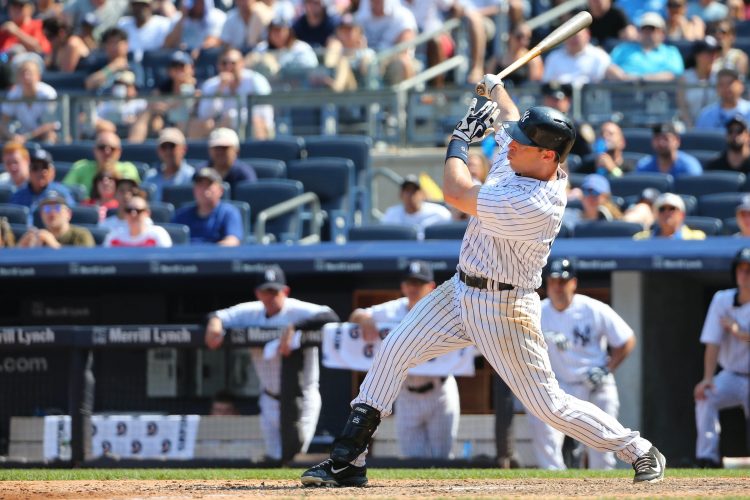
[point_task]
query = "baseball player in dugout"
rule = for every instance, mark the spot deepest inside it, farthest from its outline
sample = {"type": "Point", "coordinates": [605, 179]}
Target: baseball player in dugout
{"type": "Point", "coordinates": [579, 331]}
{"type": "Point", "coordinates": [491, 302]}
{"type": "Point", "coordinates": [427, 408]}
{"type": "Point", "coordinates": [274, 308]}
{"type": "Point", "coordinates": [726, 335]}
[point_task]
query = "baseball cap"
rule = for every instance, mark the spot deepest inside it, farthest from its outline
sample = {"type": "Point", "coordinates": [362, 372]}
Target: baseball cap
{"type": "Point", "coordinates": [707, 44]}
{"type": "Point", "coordinates": [53, 198]}
{"type": "Point", "coordinates": [208, 173]}
{"type": "Point", "coordinates": [562, 268]}
{"type": "Point", "coordinates": [40, 155]}
{"type": "Point", "coordinates": [273, 278]}
{"type": "Point", "coordinates": [652, 19]}
{"type": "Point", "coordinates": [669, 199]}
{"type": "Point", "coordinates": [180, 58]}
{"type": "Point", "coordinates": [598, 184]}
{"type": "Point", "coordinates": [737, 119]}
{"type": "Point", "coordinates": [171, 134]}
{"type": "Point", "coordinates": [419, 270]}
{"type": "Point", "coordinates": [556, 90]}
{"type": "Point", "coordinates": [281, 19]}
{"type": "Point", "coordinates": [665, 128]}
{"type": "Point", "coordinates": [411, 180]}
{"type": "Point", "coordinates": [223, 136]}
{"type": "Point", "coordinates": [744, 205]}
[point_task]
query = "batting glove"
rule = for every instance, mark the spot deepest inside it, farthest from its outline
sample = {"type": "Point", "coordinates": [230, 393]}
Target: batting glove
{"type": "Point", "coordinates": [476, 124]}
{"type": "Point", "coordinates": [559, 339]}
{"type": "Point", "coordinates": [595, 377]}
{"type": "Point", "coordinates": [490, 82]}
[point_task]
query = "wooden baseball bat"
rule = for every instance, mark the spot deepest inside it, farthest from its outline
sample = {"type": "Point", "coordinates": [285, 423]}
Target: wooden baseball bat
{"type": "Point", "coordinates": [562, 33]}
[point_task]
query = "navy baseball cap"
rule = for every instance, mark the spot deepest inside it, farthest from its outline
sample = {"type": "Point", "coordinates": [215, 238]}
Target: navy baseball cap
{"type": "Point", "coordinates": [40, 155]}
{"type": "Point", "coordinates": [180, 58]}
{"type": "Point", "coordinates": [411, 180]}
{"type": "Point", "coordinates": [53, 198]}
{"type": "Point", "coordinates": [562, 268]}
{"type": "Point", "coordinates": [595, 183]}
{"type": "Point", "coordinates": [273, 279]}
{"type": "Point", "coordinates": [419, 270]}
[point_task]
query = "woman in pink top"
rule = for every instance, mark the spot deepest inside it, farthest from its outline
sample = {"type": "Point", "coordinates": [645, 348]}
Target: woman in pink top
{"type": "Point", "coordinates": [103, 191]}
{"type": "Point", "coordinates": [138, 232]}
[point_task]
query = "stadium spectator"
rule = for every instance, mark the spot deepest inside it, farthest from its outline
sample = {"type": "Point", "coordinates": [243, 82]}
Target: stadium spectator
{"type": "Point", "coordinates": [246, 24]}
{"type": "Point", "coordinates": [596, 202]}
{"type": "Point", "coordinates": [223, 149]}
{"type": "Point", "coordinates": [727, 344]}
{"type": "Point", "coordinates": [648, 59]}
{"type": "Point", "coordinates": [736, 156]}
{"type": "Point", "coordinates": [558, 96]}
{"type": "Point", "coordinates": [281, 54]}
{"type": "Point", "coordinates": [57, 231]}
{"type": "Point", "coordinates": [21, 29]}
{"type": "Point", "coordinates": [103, 193]}
{"type": "Point", "coordinates": [349, 56]}
{"type": "Point", "coordinates": [317, 24]}
{"type": "Point", "coordinates": [475, 24]}
{"type": "Point", "coordinates": [46, 9]}
{"type": "Point", "coordinates": [7, 238]}
{"type": "Point", "coordinates": [737, 10]}
{"type": "Point", "coordinates": [172, 170]}
{"type": "Point", "coordinates": [164, 8]}
{"type": "Point", "coordinates": [413, 210]}
{"type": "Point", "coordinates": [669, 213]}
{"type": "Point", "coordinates": [668, 158]}
{"type": "Point", "coordinates": [86, 31]}
{"type": "Point", "coordinates": [114, 41]}
{"type": "Point", "coordinates": [224, 404]}
{"type": "Point", "coordinates": [742, 214]}
{"type": "Point", "coordinates": [387, 23]}
{"type": "Point", "coordinates": [126, 114]}
{"type": "Point", "coordinates": [634, 9]}
{"type": "Point", "coordinates": [697, 84]}
{"type": "Point", "coordinates": [642, 211]}
{"type": "Point", "coordinates": [609, 23]}
{"type": "Point", "coordinates": [145, 30]}
{"type": "Point", "coordinates": [107, 151]}
{"type": "Point", "coordinates": [99, 15]}
{"type": "Point", "coordinates": [140, 231]}
{"type": "Point", "coordinates": [710, 11]}
{"type": "Point", "coordinates": [181, 82]}
{"type": "Point", "coordinates": [608, 157]}
{"type": "Point", "coordinates": [233, 81]}
{"type": "Point", "coordinates": [577, 62]}
{"type": "Point", "coordinates": [124, 190]}
{"type": "Point", "coordinates": [518, 45]}
{"type": "Point", "coordinates": [729, 89]}
{"type": "Point", "coordinates": [211, 220]}
{"type": "Point", "coordinates": [41, 182]}
{"type": "Point", "coordinates": [680, 25]}
{"type": "Point", "coordinates": [730, 56]}
{"type": "Point", "coordinates": [198, 27]}
{"type": "Point", "coordinates": [67, 48]}
{"type": "Point", "coordinates": [16, 161]}
{"type": "Point", "coordinates": [36, 121]}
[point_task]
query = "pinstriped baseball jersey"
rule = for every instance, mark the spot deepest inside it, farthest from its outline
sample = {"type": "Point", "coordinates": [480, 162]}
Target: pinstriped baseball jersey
{"type": "Point", "coordinates": [589, 327]}
{"type": "Point", "coordinates": [517, 219]}
{"type": "Point", "coordinates": [734, 354]}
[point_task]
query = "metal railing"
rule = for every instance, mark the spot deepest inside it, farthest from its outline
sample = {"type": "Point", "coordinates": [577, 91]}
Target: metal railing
{"type": "Point", "coordinates": [286, 207]}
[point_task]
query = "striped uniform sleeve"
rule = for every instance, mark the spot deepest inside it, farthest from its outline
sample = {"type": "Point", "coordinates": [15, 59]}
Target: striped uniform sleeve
{"type": "Point", "coordinates": [518, 211]}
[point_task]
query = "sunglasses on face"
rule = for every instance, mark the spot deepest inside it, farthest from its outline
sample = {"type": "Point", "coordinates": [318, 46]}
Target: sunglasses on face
{"type": "Point", "coordinates": [39, 167]}
{"type": "Point", "coordinates": [134, 210]}
{"type": "Point", "coordinates": [590, 192]}
{"type": "Point", "coordinates": [52, 208]}
{"type": "Point", "coordinates": [106, 147]}
{"type": "Point", "coordinates": [226, 62]}
{"type": "Point", "coordinates": [167, 145]}
{"type": "Point", "coordinates": [667, 208]}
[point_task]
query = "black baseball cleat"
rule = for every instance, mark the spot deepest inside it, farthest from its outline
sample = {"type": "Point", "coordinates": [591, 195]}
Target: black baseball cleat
{"type": "Point", "coordinates": [649, 468]}
{"type": "Point", "coordinates": [332, 473]}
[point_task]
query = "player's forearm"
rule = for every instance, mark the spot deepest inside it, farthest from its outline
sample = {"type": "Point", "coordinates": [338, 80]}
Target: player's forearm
{"type": "Point", "coordinates": [459, 189]}
{"type": "Point", "coordinates": [618, 354]}
{"type": "Point", "coordinates": [710, 360]}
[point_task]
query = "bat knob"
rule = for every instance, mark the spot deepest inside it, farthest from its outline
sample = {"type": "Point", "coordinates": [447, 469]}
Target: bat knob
{"type": "Point", "coordinates": [481, 90]}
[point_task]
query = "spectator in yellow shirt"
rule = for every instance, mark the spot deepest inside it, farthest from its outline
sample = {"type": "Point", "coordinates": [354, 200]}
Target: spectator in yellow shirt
{"type": "Point", "coordinates": [669, 211]}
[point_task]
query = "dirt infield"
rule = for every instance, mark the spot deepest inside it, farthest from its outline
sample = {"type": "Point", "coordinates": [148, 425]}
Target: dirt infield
{"type": "Point", "coordinates": [534, 488]}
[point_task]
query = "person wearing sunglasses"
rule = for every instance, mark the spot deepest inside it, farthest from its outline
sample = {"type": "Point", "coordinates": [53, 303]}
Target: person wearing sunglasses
{"type": "Point", "coordinates": [58, 231]}
{"type": "Point", "coordinates": [107, 151]}
{"type": "Point", "coordinates": [667, 157]}
{"type": "Point", "coordinates": [172, 170]}
{"type": "Point", "coordinates": [41, 181]}
{"type": "Point", "coordinates": [139, 231]}
{"type": "Point", "coordinates": [736, 155]}
{"type": "Point", "coordinates": [669, 210]}
{"type": "Point", "coordinates": [730, 56]}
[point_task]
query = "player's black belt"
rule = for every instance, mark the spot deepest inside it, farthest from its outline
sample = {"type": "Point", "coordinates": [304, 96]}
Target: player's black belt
{"type": "Point", "coordinates": [483, 283]}
{"type": "Point", "coordinates": [421, 389]}
{"type": "Point", "coordinates": [268, 393]}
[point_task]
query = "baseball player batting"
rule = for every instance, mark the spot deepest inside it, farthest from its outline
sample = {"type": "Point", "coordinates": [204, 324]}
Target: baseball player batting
{"type": "Point", "coordinates": [491, 301]}
{"type": "Point", "coordinates": [579, 331]}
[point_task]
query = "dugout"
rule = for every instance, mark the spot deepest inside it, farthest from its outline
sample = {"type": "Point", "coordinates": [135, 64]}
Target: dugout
{"type": "Point", "coordinates": [662, 288]}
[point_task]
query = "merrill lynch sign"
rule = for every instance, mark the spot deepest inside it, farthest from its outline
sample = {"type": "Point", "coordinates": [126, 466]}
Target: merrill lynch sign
{"type": "Point", "coordinates": [21, 336]}
{"type": "Point", "coordinates": [140, 335]}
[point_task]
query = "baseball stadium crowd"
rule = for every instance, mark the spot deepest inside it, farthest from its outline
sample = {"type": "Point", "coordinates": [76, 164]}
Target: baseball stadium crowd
{"type": "Point", "coordinates": [170, 79]}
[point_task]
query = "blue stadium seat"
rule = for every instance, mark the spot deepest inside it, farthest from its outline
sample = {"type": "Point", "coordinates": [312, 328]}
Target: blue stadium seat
{"type": "Point", "coordinates": [161, 211]}
{"type": "Point", "coordinates": [382, 232]}
{"type": "Point", "coordinates": [84, 214]}
{"type": "Point", "coordinates": [78, 192]}
{"type": "Point", "coordinates": [150, 190]}
{"type": "Point", "coordinates": [705, 156]}
{"type": "Point", "coordinates": [96, 60]}
{"type": "Point", "coordinates": [182, 194]}
{"type": "Point", "coordinates": [269, 192]}
{"type": "Point", "coordinates": [731, 226]}
{"type": "Point", "coordinates": [19, 230]}
{"type": "Point", "coordinates": [267, 168]}
{"type": "Point", "coordinates": [71, 152]}
{"type": "Point", "coordinates": [156, 66]}
{"type": "Point", "coordinates": [6, 192]}
{"type": "Point", "coordinates": [446, 231]}
{"type": "Point", "coordinates": [16, 214]}
{"type": "Point", "coordinates": [709, 225]}
{"type": "Point", "coordinates": [207, 62]}
{"type": "Point", "coordinates": [180, 233]}
{"type": "Point", "coordinates": [742, 29]}
{"type": "Point", "coordinates": [638, 140]}
{"type": "Point", "coordinates": [99, 233]}
{"type": "Point", "coordinates": [710, 183]}
{"type": "Point", "coordinates": [245, 213]}
{"type": "Point", "coordinates": [65, 83]}
{"type": "Point", "coordinates": [708, 140]}
{"type": "Point", "coordinates": [720, 205]}
{"type": "Point", "coordinates": [61, 169]}
{"type": "Point", "coordinates": [633, 184]}
{"type": "Point", "coordinates": [606, 229]}
{"type": "Point", "coordinates": [142, 152]}
{"type": "Point", "coordinates": [565, 231]}
{"type": "Point", "coordinates": [576, 179]}
{"type": "Point", "coordinates": [285, 149]}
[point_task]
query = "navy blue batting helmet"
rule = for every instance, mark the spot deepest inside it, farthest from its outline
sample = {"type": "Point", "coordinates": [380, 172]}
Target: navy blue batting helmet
{"type": "Point", "coordinates": [545, 128]}
{"type": "Point", "coordinates": [561, 268]}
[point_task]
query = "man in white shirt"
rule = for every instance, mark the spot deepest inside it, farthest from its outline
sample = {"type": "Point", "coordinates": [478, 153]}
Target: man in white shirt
{"type": "Point", "coordinates": [198, 26]}
{"type": "Point", "coordinates": [414, 210]}
{"type": "Point", "coordinates": [577, 62]}
{"type": "Point", "coordinates": [246, 24]}
{"type": "Point", "coordinates": [145, 30]}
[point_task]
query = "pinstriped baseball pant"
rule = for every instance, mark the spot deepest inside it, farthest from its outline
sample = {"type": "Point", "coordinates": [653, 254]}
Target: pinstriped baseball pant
{"type": "Point", "coordinates": [505, 328]}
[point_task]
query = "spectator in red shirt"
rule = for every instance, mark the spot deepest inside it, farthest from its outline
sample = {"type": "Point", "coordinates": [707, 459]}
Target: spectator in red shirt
{"type": "Point", "coordinates": [22, 29]}
{"type": "Point", "coordinates": [103, 192]}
